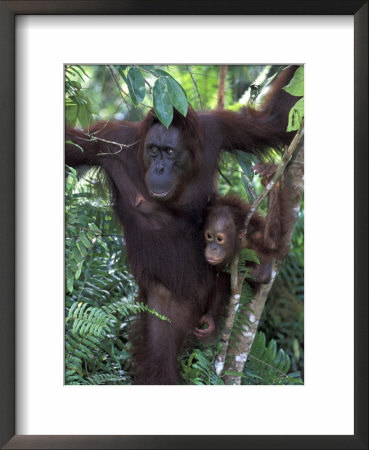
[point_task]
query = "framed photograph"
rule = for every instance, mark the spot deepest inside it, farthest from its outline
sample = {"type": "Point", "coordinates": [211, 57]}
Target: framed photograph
{"type": "Point", "coordinates": [167, 132]}
{"type": "Point", "coordinates": [55, 52]}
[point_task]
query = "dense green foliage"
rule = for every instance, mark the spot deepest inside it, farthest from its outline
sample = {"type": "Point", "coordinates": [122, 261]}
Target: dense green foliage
{"type": "Point", "coordinates": [100, 291]}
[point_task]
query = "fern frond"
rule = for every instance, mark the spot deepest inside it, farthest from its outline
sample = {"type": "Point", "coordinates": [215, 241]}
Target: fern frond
{"type": "Point", "coordinates": [198, 368]}
{"type": "Point", "coordinates": [268, 365]}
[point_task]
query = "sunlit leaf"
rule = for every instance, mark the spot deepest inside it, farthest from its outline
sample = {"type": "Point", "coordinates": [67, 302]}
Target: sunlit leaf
{"type": "Point", "coordinates": [296, 115]}
{"type": "Point", "coordinates": [73, 68]}
{"type": "Point", "coordinates": [296, 85]}
{"type": "Point", "coordinates": [81, 68]}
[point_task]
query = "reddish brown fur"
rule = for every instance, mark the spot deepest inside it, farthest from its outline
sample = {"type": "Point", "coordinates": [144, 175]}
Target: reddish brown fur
{"type": "Point", "coordinates": [164, 239]}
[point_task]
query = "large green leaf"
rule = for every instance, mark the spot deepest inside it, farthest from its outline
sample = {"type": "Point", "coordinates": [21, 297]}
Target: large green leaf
{"type": "Point", "coordinates": [177, 97]}
{"type": "Point", "coordinates": [130, 87]}
{"type": "Point", "coordinates": [162, 103]}
{"type": "Point", "coordinates": [162, 73]}
{"type": "Point", "coordinates": [137, 84]}
{"type": "Point", "coordinates": [296, 85]}
{"type": "Point", "coordinates": [296, 115]}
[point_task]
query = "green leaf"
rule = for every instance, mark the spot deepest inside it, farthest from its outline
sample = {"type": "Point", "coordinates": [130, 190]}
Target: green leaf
{"type": "Point", "coordinates": [296, 85]}
{"type": "Point", "coordinates": [83, 116]}
{"type": "Point", "coordinates": [76, 255]}
{"type": "Point", "coordinates": [84, 239]}
{"type": "Point", "coordinates": [296, 115]}
{"type": "Point", "coordinates": [177, 97]}
{"type": "Point", "coordinates": [137, 82]}
{"type": "Point", "coordinates": [91, 234]}
{"type": "Point", "coordinates": [130, 80]}
{"type": "Point", "coordinates": [76, 71]}
{"type": "Point", "coordinates": [249, 189]}
{"type": "Point", "coordinates": [68, 272]}
{"type": "Point", "coordinates": [246, 161]}
{"type": "Point", "coordinates": [81, 248]}
{"type": "Point", "coordinates": [162, 72]}
{"type": "Point", "coordinates": [129, 85]}
{"type": "Point", "coordinates": [162, 103]}
{"type": "Point", "coordinates": [71, 113]}
{"type": "Point", "coordinates": [121, 72]}
{"type": "Point", "coordinates": [102, 243]}
{"type": "Point", "coordinates": [94, 227]}
{"type": "Point", "coordinates": [78, 272]}
{"type": "Point", "coordinates": [70, 285]}
{"type": "Point", "coordinates": [155, 71]}
{"type": "Point", "coordinates": [75, 84]}
{"type": "Point", "coordinates": [81, 68]}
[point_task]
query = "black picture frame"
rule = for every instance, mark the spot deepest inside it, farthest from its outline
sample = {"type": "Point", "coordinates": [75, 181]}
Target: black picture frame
{"type": "Point", "coordinates": [8, 11]}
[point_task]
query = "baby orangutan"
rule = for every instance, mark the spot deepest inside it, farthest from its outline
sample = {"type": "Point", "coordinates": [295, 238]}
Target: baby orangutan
{"type": "Point", "coordinates": [268, 237]}
{"type": "Point", "coordinates": [224, 233]}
